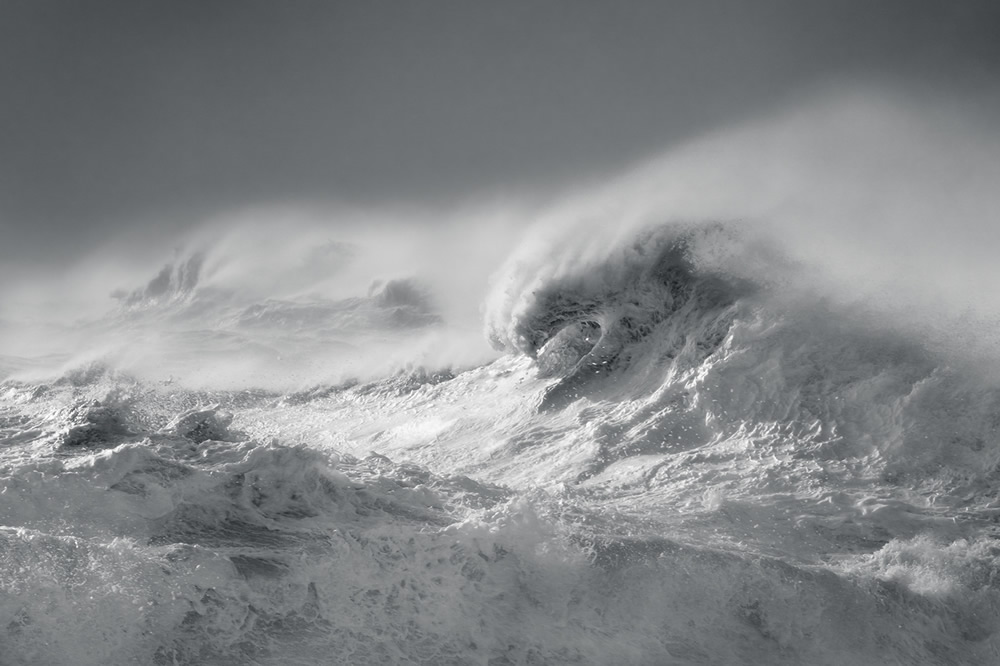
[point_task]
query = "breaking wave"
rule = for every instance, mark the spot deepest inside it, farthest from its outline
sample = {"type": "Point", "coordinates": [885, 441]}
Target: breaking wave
{"type": "Point", "coordinates": [675, 320]}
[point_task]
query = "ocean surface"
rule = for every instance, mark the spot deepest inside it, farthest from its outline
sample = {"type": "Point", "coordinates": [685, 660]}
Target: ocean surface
{"type": "Point", "coordinates": [686, 442]}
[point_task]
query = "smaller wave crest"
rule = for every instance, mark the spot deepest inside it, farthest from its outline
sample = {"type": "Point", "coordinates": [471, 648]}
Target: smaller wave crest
{"type": "Point", "coordinates": [176, 280]}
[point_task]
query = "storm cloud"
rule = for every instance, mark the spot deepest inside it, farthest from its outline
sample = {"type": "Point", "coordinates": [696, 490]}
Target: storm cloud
{"type": "Point", "coordinates": [146, 117]}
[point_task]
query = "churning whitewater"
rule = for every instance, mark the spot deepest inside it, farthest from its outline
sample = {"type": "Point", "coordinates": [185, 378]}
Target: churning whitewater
{"type": "Point", "coordinates": [690, 445]}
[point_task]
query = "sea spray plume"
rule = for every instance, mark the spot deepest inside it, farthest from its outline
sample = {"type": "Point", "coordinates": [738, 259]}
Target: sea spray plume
{"type": "Point", "coordinates": [886, 196]}
{"type": "Point", "coordinates": [859, 200]}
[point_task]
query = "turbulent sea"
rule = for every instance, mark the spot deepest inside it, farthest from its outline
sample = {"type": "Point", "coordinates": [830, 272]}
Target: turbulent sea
{"type": "Point", "coordinates": [686, 447]}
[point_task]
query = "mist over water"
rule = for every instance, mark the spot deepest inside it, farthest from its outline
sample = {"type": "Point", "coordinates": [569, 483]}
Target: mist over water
{"type": "Point", "coordinates": [370, 292]}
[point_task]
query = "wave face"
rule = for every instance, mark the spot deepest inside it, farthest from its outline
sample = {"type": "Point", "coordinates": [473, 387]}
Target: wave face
{"type": "Point", "coordinates": [695, 443]}
{"type": "Point", "coordinates": [593, 320]}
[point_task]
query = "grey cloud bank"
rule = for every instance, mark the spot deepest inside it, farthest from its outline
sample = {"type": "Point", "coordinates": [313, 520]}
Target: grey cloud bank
{"type": "Point", "coordinates": [146, 117]}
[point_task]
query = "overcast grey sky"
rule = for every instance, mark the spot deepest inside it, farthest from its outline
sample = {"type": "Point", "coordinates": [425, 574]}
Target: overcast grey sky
{"type": "Point", "coordinates": [115, 114]}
